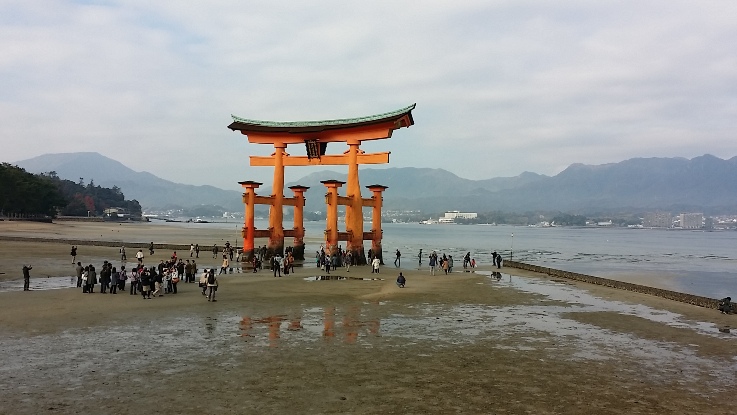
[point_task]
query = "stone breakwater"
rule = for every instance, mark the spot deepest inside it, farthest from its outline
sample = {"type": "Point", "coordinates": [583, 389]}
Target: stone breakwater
{"type": "Point", "coordinates": [114, 244]}
{"type": "Point", "coordinates": [658, 292]}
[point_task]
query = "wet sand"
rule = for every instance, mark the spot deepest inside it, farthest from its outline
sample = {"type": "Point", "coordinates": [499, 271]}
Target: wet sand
{"type": "Point", "coordinates": [463, 343]}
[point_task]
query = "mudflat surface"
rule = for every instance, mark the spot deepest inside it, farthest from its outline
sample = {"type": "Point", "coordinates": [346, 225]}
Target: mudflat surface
{"type": "Point", "coordinates": [513, 342]}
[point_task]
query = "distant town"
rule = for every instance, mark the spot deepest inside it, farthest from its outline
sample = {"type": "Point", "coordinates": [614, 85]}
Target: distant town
{"type": "Point", "coordinates": [650, 220]}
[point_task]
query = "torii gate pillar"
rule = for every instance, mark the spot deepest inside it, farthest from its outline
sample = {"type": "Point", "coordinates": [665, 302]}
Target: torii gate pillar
{"type": "Point", "coordinates": [298, 248]}
{"type": "Point", "coordinates": [376, 232]}
{"type": "Point", "coordinates": [248, 232]}
{"type": "Point", "coordinates": [331, 227]}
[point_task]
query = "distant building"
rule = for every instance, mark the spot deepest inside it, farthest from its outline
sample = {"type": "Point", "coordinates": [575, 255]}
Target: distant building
{"type": "Point", "coordinates": [658, 220]}
{"type": "Point", "coordinates": [692, 220]}
{"type": "Point", "coordinates": [453, 214]}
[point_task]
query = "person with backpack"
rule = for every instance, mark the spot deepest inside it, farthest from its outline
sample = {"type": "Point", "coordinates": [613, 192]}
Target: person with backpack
{"type": "Point", "coordinates": [212, 286]}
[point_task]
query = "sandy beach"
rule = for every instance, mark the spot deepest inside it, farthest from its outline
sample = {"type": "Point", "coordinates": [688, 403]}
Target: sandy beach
{"type": "Point", "coordinates": [515, 342]}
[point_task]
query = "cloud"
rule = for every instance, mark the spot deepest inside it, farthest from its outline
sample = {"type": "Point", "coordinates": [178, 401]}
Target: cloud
{"type": "Point", "coordinates": [502, 87]}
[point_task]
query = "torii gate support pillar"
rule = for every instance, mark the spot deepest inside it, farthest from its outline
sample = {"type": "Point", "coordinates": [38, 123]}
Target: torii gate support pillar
{"type": "Point", "coordinates": [248, 232]}
{"type": "Point", "coordinates": [331, 228]}
{"type": "Point", "coordinates": [298, 248]}
{"type": "Point", "coordinates": [376, 231]}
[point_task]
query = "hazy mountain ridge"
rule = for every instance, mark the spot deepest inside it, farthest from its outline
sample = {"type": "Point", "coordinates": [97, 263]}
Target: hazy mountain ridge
{"type": "Point", "coordinates": [704, 182]}
{"type": "Point", "coordinates": [148, 189]}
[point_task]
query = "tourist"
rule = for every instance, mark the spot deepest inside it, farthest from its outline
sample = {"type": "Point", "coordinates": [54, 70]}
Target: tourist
{"type": "Point", "coordinates": [191, 250]}
{"type": "Point", "coordinates": [27, 277]}
{"type": "Point", "coordinates": [174, 280]}
{"type": "Point", "coordinates": [73, 253]}
{"type": "Point", "coordinates": [134, 281]}
{"type": "Point", "coordinates": [203, 280]}
{"type": "Point", "coordinates": [473, 263]}
{"type": "Point", "coordinates": [91, 279]}
{"type": "Point", "coordinates": [446, 264]}
{"type": "Point", "coordinates": [180, 269]}
{"type": "Point", "coordinates": [139, 256]}
{"type": "Point", "coordinates": [196, 253]}
{"type": "Point", "coordinates": [348, 261]}
{"type": "Point", "coordinates": [498, 262]}
{"type": "Point", "coordinates": [114, 280]}
{"type": "Point", "coordinates": [398, 260]}
{"type": "Point", "coordinates": [212, 286]}
{"type": "Point", "coordinates": [375, 265]}
{"type": "Point", "coordinates": [254, 263]}
{"type": "Point", "coordinates": [450, 263]}
{"type": "Point", "coordinates": [401, 280]}
{"type": "Point", "coordinates": [225, 264]}
{"type": "Point", "coordinates": [188, 272]}
{"type": "Point", "coordinates": [79, 269]}
{"type": "Point", "coordinates": [104, 278]}
{"type": "Point", "coordinates": [493, 258]}
{"type": "Point", "coordinates": [145, 283]}
{"type": "Point", "coordinates": [156, 282]}
{"type": "Point", "coordinates": [419, 259]}
{"type": "Point", "coordinates": [725, 305]}
{"type": "Point", "coordinates": [214, 251]}
{"type": "Point", "coordinates": [122, 254]}
{"type": "Point", "coordinates": [285, 264]}
{"type": "Point", "coordinates": [194, 270]}
{"type": "Point", "coordinates": [466, 260]}
{"type": "Point", "coordinates": [123, 277]}
{"type": "Point", "coordinates": [275, 267]}
{"type": "Point", "coordinates": [151, 249]}
{"type": "Point", "coordinates": [168, 278]}
{"type": "Point", "coordinates": [433, 262]}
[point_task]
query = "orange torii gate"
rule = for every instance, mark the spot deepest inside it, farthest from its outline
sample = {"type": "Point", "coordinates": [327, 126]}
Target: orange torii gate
{"type": "Point", "coordinates": [315, 135]}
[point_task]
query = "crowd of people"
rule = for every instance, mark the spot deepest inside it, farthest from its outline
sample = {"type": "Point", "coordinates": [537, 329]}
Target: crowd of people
{"type": "Point", "coordinates": [148, 281]}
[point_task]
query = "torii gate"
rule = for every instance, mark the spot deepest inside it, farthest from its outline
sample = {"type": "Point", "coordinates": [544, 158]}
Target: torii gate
{"type": "Point", "coordinates": [315, 135]}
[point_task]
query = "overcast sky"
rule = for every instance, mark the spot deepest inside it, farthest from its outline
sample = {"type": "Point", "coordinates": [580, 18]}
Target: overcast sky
{"type": "Point", "coordinates": [501, 87]}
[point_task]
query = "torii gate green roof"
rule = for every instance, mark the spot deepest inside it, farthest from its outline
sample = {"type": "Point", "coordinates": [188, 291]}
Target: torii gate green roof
{"type": "Point", "coordinates": [243, 124]}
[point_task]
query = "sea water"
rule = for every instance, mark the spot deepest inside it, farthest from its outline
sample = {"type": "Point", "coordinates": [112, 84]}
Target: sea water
{"type": "Point", "coordinates": [695, 262]}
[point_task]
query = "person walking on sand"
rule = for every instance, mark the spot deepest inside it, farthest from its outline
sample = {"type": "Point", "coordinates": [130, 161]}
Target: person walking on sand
{"type": "Point", "coordinates": [139, 256]}
{"type": "Point", "coordinates": [122, 254]}
{"type": "Point", "coordinates": [73, 253]}
{"type": "Point", "coordinates": [27, 277]}
{"type": "Point", "coordinates": [419, 259]}
{"type": "Point", "coordinates": [433, 263]}
{"type": "Point", "coordinates": [375, 264]}
{"type": "Point", "coordinates": [214, 250]}
{"type": "Point", "coordinates": [151, 248]}
{"type": "Point", "coordinates": [212, 286]}
{"type": "Point", "coordinates": [203, 280]}
{"type": "Point", "coordinates": [191, 250]}
{"type": "Point", "coordinates": [225, 264]}
{"type": "Point", "coordinates": [196, 252]}
{"type": "Point", "coordinates": [398, 259]}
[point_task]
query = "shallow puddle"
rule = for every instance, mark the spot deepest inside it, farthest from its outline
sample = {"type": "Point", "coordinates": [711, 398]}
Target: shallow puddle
{"type": "Point", "coordinates": [339, 278]}
{"type": "Point", "coordinates": [39, 283]}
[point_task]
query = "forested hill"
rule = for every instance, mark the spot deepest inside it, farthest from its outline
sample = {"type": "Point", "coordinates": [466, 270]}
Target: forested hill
{"type": "Point", "coordinates": [24, 193]}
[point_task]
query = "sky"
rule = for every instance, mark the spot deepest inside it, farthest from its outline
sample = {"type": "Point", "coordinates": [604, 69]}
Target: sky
{"type": "Point", "coordinates": [501, 87]}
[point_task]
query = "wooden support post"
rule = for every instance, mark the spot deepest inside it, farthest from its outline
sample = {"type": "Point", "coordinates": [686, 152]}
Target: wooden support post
{"type": "Point", "coordinates": [354, 211]}
{"type": "Point", "coordinates": [331, 228]}
{"type": "Point", "coordinates": [298, 248]}
{"type": "Point", "coordinates": [276, 213]}
{"type": "Point", "coordinates": [248, 232]}
{"type": "Point", "coordinates": [376, 231]}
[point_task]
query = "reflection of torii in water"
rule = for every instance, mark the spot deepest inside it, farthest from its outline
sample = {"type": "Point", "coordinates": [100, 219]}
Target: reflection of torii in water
{"type": "Point", "coordinates": [315, 135]}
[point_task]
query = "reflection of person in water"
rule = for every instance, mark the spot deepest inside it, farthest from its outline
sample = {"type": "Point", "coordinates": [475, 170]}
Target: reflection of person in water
{"type": "Point", "coordinates": [401, 280]}
{"type": "Point", "coordinates": [497, 275]}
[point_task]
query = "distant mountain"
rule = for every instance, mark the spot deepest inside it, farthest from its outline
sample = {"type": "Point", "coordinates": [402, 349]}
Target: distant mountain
{"type": "Point", "coordinates": [407, 184]}
{"type": "Point", "coordinates": [704, 183]}
{"type": "Point", "coordinates": [150, 191]}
